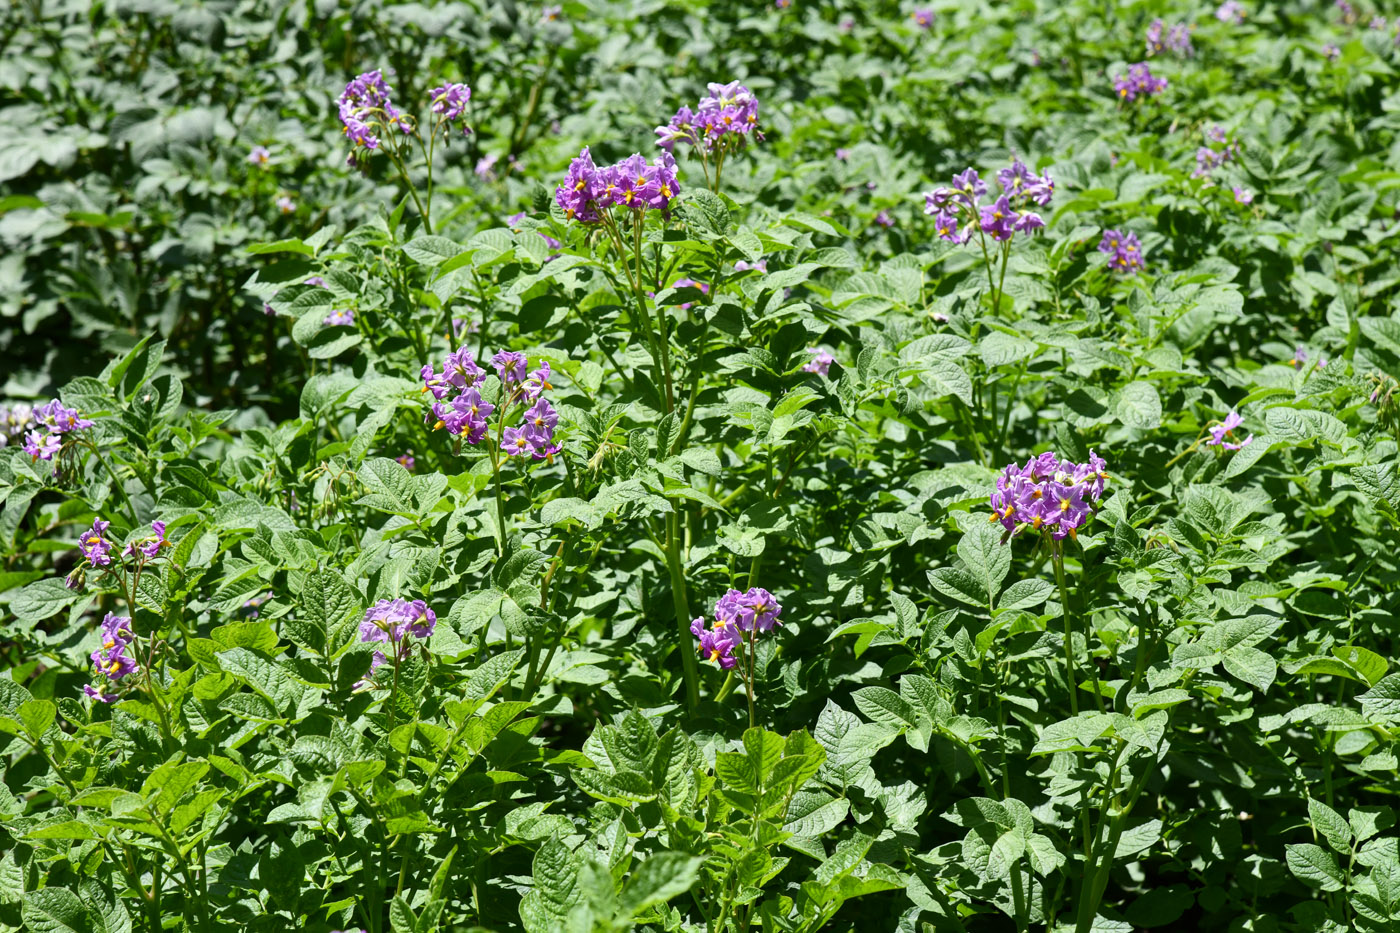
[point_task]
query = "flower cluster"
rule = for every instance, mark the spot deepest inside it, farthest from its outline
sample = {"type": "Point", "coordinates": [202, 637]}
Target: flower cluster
{"type": "Point", "coordinates": [1138, 82]}
{"type": "Point", "coordinates": [13, 420]}
{"type": "Point", "coordinates": [111, 662]}
{"type": "Point", "coordinates": [922, 17]}
{"type": "Point", "coordinates": [1208, 158]}
{"type": "Point", "coordinates": [1226, 428]}
{"type": "Point", "coordinates": [365, 106]}
{"type": "Point", "coordinates": [1300, 356]}
{"type": "Point", "coordinates": [820, 362]}
{"type": "Point", "coordinates": [589, 192]}
{"type": "Point", "coordinates": [395, 622]}
{"type": "Point", "coordinates": [450, 103]}
{"type": "Point", "coordinates": [465, 415]}
{"type": "Point", "coordinates": [1123, 249]}
{"type": "Point", "coordinates": [958, 210]}
{"type": "Point", "coordinates": [754, 610]}
{"type": "Point", "coordinates": [50, 423]}
{"type": "Point", "coordinates": [149, 546]}
{"type": "Point", "coordinates": [1231, 11]}
{"type": "Point", "coordinates": [725, 119]}
{"type": "Point", "coordinates": [1176, 39]}
{"type": "Point", "coordinates": [1049, 495]}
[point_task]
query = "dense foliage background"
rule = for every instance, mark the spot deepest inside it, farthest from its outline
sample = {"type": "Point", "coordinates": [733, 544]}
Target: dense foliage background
{"type": "Point", "coordinates": [231, 464]}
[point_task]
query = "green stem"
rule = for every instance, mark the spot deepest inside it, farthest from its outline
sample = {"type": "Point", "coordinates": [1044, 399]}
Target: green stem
{"type": "Point", "coordinates": [689, 668]}
{"type": "Point", "coordinates": [130, 509]}
{"type": "Point", "coordinates": [1070, 682]}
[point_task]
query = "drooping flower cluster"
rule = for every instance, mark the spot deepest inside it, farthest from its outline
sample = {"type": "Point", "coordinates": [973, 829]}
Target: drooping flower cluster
{"type": "Point", "coordinates": [466, 414]}
{"type": "Point", "coordinates": [395, 622]}
{"type": "Point", "coordinates": [754, 610]}
{"type": "Point", "coordinates": [1138, 82]}
{"type": "Point", "coordinates": [958, 211]}
{"type": "Point", "coordinates": [111, 662]}
{"type": "Point", "coordinates": [1176, 39]}
{"type": "Point", "coordinates": [589, 192]}
{"type": "Point", "coordinates": [1123, 249]}
{"type": "Point", "coordinates": [1226, 428]}
{"type": "Point", "coordinates": [724, 120]}
{"type": "Point", "coordinates": [1231, 11]}
{"type": "Point", "coordinates": [1208, 158]}
{"type": "Point", "coordinates": [1049, 495]}
{"type": "Point", "coordinates": [50, 422]}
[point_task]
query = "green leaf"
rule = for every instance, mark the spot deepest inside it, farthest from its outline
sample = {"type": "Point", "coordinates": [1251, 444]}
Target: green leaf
{"type": "Point", "coordinates": [1138, 405]}
{"type": "Point", "coordinates": [1023, 594]}
{"type": "Point", "coordinates": [431, 250]}
{"type": "Point", "coordinates": [1382, 701]}
{"type": "Point", "coordinates": [37, 716]}
{"type": "Point", "coordinates": [705, 213]}
{"type": "Point", "coordinates": [1315, 866]}
{"type": "Point", "coordinates": [41, 599]}
{"type": "Point", "coordinates": [1331, 825]}
{"type": "Point", "coordinates": [55, 910]}
{"type": "Point", "coordinates": [658, 879]}
{"type": "Point", "coordinates": [1252, 666]}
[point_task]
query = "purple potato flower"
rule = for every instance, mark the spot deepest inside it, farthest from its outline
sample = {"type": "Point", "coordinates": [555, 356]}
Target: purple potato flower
{"type": "Point", "coordinates": [1138, 82]}
{"type": "Point", "coordinates": [1231, 11]}
{"type": "Point", "coordinates": [42, 446]}
{"type": "Point", "coordinates": [820, 363]}
{"type": "Point", "coordinates": [1123, 249]}
{"type": "Point", "coordinates": [1049, 495]}
{"type": "Point", "coordinates": [149, 546]}
{"type": "Point", "coordinates": [95, 547]}
{"type": "Point", "coordinates": [1226, 429]}
{"type": "Point", "coordinates": [450, 103]}
{"type": "Point", "coordinates": [259, 155]}
{"type": "Point", "coordinates": [340, 318]}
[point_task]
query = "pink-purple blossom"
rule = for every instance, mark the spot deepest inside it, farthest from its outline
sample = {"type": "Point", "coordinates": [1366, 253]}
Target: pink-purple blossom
{"type": "Point", "coordinates": [1138, 82]}
{"type": "Point", "coordinates": [1176, 39]}
{"type": "Point", "coordinates": [1049, 495]}
{"type": "Point", "coordinates": [150, 545]}
{"type": "Point", "coordinates": [1226, 429]}
{"type": "Point", "coordinates": [958, 211]}
{"type": "Point", "coordinates": [95, 546]}
{"type": "Point", "coordinates": [589, 192]}
{"type": "Point", "coordinates": [1123, 249]}
{"type": "Point", "coordinates": [820, 362]}
{"type": "Point", "coordinates": [725, 119]}
{"type": "Point", "coordinates": [450, 102]}
{"type": "Point", "coordinates": [1231, 11]}
{"type": "Point", "coordinates": [111, 662]}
